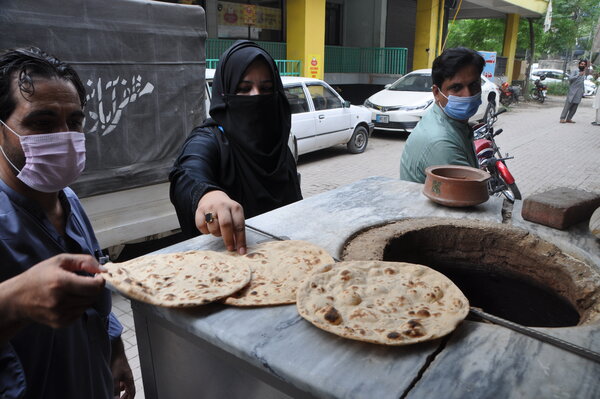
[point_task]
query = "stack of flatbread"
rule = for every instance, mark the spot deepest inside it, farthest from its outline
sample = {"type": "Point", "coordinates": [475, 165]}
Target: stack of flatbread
{"type": "Point", "coordinates": [268, 274]}
{"type": "Point", "coordinates": [277, 269]}
{"type": "Point", "coordinates": [179, 279]}
{"type": "Point", "coordinates": [388, 303]}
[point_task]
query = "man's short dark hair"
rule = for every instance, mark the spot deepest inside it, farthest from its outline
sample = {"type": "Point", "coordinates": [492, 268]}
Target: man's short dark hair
{"type": "Point", "coordinates": [27, 63]}
{"type": "Point", "coordinates": [447, 64]}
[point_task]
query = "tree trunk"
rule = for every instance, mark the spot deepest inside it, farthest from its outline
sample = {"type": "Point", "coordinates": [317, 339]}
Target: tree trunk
{"type": "Point", "coordinates": [529, 58]}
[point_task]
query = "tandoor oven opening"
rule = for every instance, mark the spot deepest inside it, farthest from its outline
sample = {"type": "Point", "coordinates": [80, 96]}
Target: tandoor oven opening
{"type": "Point", "coordinates": [505, 271]}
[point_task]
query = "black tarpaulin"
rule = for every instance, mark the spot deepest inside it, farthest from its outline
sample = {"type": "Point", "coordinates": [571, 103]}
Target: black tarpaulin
{"type": "Point", "coordinates": [142, 63]}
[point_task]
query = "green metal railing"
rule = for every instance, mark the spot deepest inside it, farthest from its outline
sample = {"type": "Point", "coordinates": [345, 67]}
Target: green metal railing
{"type": "Point", "coordinates": [383, 60]}
{"type": "Point", "coordinates": [285, 67]}
{"type": "Point", "coordinates": [289, 67]}
{"type": "Point", "coordinates": [216, 47]}
{"type": "Point", "coordinates": [338, 59]}
{"type": "Point", "coordinates": [211, 63]}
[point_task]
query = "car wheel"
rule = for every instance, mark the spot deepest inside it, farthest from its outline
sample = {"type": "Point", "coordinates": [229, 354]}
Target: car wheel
{"type": "Point", "coordinates": [358, 142]}
{"type": "Point", "coordinates": [489, 112]}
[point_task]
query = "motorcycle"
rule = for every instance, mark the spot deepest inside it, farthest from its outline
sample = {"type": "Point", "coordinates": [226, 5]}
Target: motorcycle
{"type": "Point", "coordinates": [538, 92]}
{"type": "Point", "coordinates": [492, 161]}
{"type": "Point", "coordinates": [509, 94]}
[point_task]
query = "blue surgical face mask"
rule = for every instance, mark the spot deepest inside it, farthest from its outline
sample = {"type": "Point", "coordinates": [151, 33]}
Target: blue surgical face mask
{"type": "Point", "coordinates": [462, 108]}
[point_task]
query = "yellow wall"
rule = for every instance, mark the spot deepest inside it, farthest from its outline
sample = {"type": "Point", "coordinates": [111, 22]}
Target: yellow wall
{"type": "Point", "coordinates": [426, 33]}
{"type": "Point", "coordinates": [306, 35]}
{"type": "Point", "coordinates": [510, 43]}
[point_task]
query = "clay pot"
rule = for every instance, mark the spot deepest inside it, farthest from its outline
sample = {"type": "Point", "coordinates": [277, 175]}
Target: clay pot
{"type": "Point", "coordinates": [455, 185]}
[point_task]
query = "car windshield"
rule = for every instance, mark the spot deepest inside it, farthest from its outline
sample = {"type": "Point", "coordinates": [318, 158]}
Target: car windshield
{"type": "Point", "coordinates": [413, 82]}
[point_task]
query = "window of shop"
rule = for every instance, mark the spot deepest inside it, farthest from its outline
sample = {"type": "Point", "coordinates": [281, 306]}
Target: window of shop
{"type": "Point", "coordinates": [333, 24]}
{"type": "Point", "coordinates": [255, 20]}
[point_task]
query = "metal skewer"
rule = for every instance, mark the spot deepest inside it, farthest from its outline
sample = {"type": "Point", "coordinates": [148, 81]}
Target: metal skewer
{"type": "Point", "coordinates": [568, 346]}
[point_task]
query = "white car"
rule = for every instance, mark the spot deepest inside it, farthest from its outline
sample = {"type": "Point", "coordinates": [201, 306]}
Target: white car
{"type": "Point", "coordinates": [557, 76]}
{"type": "Point", "coordinates": [552, 75]}
{"type": "Point", "coordinates": [401, 105]}
{"type": "Point", "coordinates": [320, 117]}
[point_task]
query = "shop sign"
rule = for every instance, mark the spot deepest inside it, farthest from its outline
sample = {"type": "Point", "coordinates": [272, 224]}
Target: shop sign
{"type": "Point", "coordinates": [235, 14]}
{"type": "Point", "coordinates": [490, 63]}
{"type": "Point", "coordinates": [314, 65]}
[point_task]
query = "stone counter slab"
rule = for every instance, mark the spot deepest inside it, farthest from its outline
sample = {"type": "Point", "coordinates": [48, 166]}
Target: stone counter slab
{"type": "Point", "coordinates": [278, 341]}
{"type": "Point", "coordinates": [479, 358]}
{"type": "Point", "coordinates": [485, 361]}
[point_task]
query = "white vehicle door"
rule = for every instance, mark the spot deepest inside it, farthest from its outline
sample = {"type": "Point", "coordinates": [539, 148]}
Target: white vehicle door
{"type": "Point", "coordinates": [303, 122]}
{"type": "Point", "coordinates": [484, 99]}
{"type": "Point", "coordinates": [334, 123]}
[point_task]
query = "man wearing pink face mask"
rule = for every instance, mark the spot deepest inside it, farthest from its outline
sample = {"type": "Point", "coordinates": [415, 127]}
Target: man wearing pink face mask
{"type": "Point", "coordinates": [58, 338]}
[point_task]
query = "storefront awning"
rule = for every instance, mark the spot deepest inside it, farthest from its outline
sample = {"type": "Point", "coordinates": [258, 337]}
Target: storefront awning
{"type": "Point", "coordinates": [477, 9]}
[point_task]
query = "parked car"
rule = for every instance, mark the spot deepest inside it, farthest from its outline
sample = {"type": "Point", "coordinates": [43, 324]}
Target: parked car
{"type": "Point", "coordinates": [320, 116]}
{"type": "Point", "coordinates": [400, 106]}
{"type": "Point", "coordinates": [590, 86]}
{"type": "Point", "coordinates": [557, 76]}
{"type": "Point", "coordinates": [552, 75]}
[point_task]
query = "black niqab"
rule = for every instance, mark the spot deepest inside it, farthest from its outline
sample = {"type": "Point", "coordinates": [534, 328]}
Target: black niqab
{"type": "Point", "coordinates": [256, 129]}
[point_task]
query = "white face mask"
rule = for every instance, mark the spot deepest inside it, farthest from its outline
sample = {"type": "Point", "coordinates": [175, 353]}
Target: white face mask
{"type": "Point", "coordinates": [52, 160]}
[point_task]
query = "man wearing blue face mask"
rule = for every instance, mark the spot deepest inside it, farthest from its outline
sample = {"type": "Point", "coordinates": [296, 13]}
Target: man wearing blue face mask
{"type": "Point", "coordinates": [58, 338]}
{"type": "Point", "coordinates": [443, 136]}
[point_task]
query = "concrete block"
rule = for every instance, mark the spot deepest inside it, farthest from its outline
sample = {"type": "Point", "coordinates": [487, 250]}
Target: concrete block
{"type": "Point", "coordinates": [560, 208]}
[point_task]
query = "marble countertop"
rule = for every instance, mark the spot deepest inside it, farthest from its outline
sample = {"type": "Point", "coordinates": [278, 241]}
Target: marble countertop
{"type": "Point", "coordinates": [478, 360]}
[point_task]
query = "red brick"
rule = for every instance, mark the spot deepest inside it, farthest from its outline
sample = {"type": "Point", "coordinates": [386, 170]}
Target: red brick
{"type": "Point", "coordinates": [560, 208]}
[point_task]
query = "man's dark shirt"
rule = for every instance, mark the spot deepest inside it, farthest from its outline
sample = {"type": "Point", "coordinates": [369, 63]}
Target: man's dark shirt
{"type": "Point", "coordinates": [70, 362]}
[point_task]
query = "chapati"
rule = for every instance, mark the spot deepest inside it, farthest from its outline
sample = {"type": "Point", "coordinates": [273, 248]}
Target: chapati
{"type": "Point", "coordinates": [389, 303]}
{"type": "Point", "coordinates": [277, 269]}
{"type": "Point", "coordinates": [179, 279]}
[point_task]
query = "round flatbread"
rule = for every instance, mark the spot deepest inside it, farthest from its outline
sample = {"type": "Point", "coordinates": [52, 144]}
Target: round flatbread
{"type": "Point", "coordinates": [277, 269]}
{"type": "Point", "coordinates": [389, 303]}
{"type": "Point", "coordinates": [179, 279]}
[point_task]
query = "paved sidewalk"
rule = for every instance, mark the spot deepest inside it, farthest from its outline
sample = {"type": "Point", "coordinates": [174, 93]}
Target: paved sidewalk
{"type": "Point", "coordinates": [122, 309]}
{"type": "Point", "coordinates": [547, 155]}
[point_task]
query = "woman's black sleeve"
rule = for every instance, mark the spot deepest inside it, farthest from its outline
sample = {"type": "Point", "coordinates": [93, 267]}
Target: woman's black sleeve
{"type": "Point", "coordinates": [194, 174]}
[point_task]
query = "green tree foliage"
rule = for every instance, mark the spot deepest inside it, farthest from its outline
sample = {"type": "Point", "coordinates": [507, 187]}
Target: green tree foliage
{"type": "Point", "coordinates": [572, 22]}
{"type": "Point", "coordinates": [478, 34]}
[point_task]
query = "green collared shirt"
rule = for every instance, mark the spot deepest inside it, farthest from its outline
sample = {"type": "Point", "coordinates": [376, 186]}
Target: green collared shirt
{"type": "Point", "coordinates": [436, 140]}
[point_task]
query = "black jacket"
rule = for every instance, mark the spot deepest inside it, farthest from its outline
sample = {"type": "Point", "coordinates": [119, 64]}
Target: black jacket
{"type": "Point", "coordinates": [206, 163]}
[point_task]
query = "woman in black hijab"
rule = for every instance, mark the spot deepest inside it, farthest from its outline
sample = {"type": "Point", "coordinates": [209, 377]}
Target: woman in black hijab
{"type": "Point", "coordinates": [237, 164]}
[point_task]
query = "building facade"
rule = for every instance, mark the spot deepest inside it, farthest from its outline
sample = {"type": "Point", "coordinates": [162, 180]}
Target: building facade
{"type": "Point", "coordinates": [355, 41]}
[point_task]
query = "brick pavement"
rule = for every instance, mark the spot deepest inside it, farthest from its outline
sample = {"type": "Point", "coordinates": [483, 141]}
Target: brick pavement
{"type": "Point", "coordinates": [547, 155]}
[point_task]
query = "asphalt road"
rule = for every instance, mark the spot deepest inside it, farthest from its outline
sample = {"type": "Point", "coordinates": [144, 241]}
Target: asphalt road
{"type": "Point", "coordinates": [547, 154]}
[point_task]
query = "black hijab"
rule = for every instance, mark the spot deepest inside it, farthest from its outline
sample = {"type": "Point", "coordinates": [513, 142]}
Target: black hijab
{"type": "Point", "coordinates": [257, 166]}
